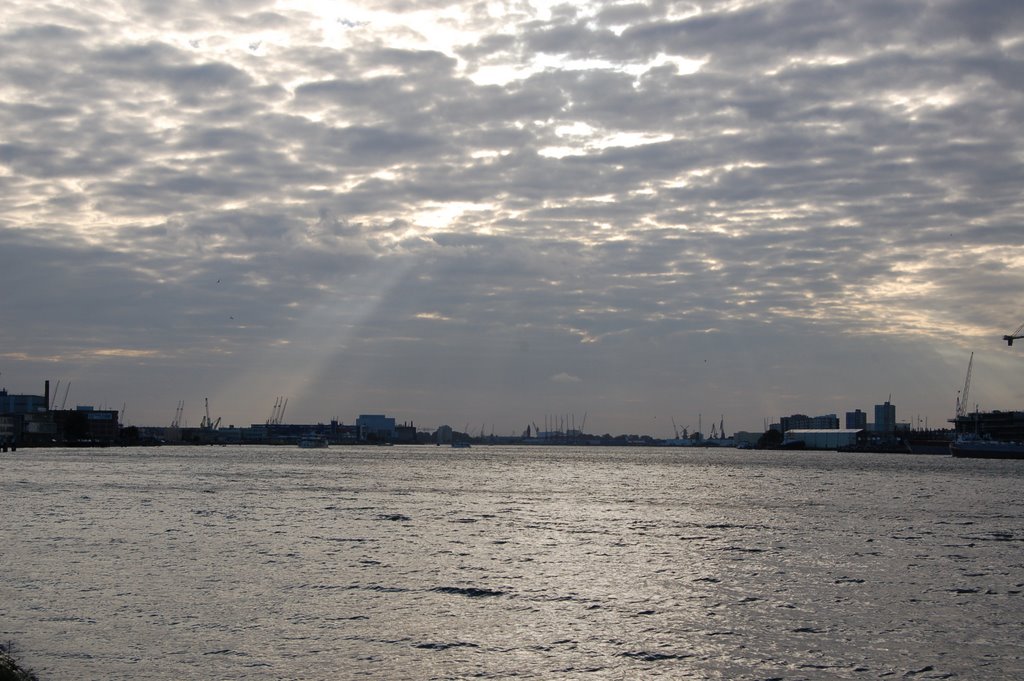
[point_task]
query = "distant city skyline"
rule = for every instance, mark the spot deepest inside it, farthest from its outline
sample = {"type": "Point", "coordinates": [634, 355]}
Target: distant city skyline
{"type": "Point", "coordinates": [641, 211]}
{"type": "Point", "coordinates": [886, 419]}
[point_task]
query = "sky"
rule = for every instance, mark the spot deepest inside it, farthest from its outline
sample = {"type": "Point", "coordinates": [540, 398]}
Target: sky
{"type": "Point", "coordinates": [487, 214]}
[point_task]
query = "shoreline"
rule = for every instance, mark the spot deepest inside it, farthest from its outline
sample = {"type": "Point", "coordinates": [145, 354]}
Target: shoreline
{"type": "Point", "coordinates": [10, 670]}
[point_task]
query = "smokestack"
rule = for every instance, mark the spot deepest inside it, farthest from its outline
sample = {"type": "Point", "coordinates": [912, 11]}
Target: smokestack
{"type": "Point", "coordinates": [46, 392]}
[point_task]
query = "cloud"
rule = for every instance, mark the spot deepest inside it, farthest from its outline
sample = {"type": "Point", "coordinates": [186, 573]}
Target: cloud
{"type": "Point", "coordinates": [565, 378]}
{"type": "Point", "coordinates": [487, 199]}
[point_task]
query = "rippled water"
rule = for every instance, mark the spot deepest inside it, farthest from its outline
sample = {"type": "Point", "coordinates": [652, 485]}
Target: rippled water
{"type": "Point", "coordinates": [494, 562]}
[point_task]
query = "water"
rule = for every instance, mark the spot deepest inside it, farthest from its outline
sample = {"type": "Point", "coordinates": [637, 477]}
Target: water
{"type": "Point", "coordinates": [495, 562]}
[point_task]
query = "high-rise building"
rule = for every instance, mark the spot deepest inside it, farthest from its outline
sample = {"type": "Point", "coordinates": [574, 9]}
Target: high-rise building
{"type": "Point", "coordinates": [856, 420]}
{"type": "Point", "coordinates": [885, 418]}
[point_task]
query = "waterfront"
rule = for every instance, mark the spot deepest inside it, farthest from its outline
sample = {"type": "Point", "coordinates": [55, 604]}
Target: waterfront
{"type": "Point", "coordinates": [428, 562]}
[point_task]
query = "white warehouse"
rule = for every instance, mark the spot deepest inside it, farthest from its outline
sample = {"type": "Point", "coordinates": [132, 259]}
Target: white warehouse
{"type": "Point", "coordinates": [828, 439]}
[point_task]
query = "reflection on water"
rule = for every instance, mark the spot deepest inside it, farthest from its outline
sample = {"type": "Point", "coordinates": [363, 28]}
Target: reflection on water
{"type": "Point", "coordinates": [412, 563]}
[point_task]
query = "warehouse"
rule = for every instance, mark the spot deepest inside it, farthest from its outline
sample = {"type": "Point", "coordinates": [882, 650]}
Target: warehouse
{"type": "Point", "coordinates": [828, 439]}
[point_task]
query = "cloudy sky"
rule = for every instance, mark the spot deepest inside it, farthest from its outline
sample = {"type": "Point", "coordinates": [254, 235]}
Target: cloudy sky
{"type": "Point", "coordinates": [483, 213]}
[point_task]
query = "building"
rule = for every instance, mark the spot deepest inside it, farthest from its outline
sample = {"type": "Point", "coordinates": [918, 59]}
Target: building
{"type": "Point", "coordinates": [856, 420]}
{"type": "Point", "coordinates": [39, 428]}
{"type": "Point", "coordinates": [444, 435]}
{"type": "Point", "coordinates": [8, 423]}
{"type": "Point", "coordinates": [22, 404]}
{"type": "Point", "coordinates": [746, 438]}
{"type": "Point", "coordinates": [85, 424]}
{"type": "Point", "coordinates": [406, 434]}
{"type": "Point", "coordinates": [25, 419]}
{"type": "Point", "coordinates": [375, 428]}
{"type": "Point", "coordinates": [827, 439]}
{"type": "Point", "coordinates": [804, 422]}
{"type": "Point", "coordinates": [885, 418]}
{"type": "Point", "coordinates": [28, 420]}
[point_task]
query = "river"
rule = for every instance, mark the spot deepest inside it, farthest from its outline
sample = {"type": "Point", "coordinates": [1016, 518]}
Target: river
{"type": "Point", "coordinates": [501, 562]}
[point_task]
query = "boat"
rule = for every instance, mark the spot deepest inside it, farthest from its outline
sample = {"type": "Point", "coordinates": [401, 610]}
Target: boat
{"type": "Point", "coordinates": [460, 445]}
{"type": "Point", "coordinates": [928, 445]}
{"type": "Point", "coordinates": [974, 447]}
{"type": "Point", "coordinates": [313, 442]}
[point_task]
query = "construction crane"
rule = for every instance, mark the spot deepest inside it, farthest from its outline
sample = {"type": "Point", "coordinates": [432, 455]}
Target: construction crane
{"type": "Point", "coordinates": [176, 423]}
{"type": "Point", "coordinates": [961, 398]}
{"type": "Point", "coordinates": [1010, 337]}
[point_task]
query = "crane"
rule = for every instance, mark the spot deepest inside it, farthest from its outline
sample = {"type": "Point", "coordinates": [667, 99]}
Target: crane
{"type": "Point", "coordinates": [277, 413]}
{"type": "Point", "coordinates": [961, 399]}
{"type": "Point", "coordinates": [176, 423]}
{"type": "Point", "coordinates": [1010, 337]}
{"type": "Point", "coordinates": [207, 423]}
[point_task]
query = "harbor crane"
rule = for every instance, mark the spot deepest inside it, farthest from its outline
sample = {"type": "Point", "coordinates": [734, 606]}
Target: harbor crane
{"type": "Point", "coordinates": [177, 422]}
{"type": "Point", "coordinates": [961, 399]}
{"type": "Point", "coordinates": [277, 413]}
{"type": "Point", "coordinates": [1010, 337]}
{"type": "Point", "coordinates": [207, 423]}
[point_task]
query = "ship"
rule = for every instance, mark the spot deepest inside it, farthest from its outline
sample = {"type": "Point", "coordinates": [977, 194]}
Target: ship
{"type": "Point", "coordinates": [979, 444]}
{"type": "Point", "coordinates": [971, 446]}
{"type": "Point", "coordinates": [313, 442]}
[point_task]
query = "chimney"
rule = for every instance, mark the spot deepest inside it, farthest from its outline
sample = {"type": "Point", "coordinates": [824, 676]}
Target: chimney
{"type": "Point", "coordinates": [46, 389]}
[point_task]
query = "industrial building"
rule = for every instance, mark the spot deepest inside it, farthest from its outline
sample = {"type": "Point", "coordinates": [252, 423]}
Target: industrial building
{"type": "Point", "coordinates": [27, 420]}
{"type": "Point", "coordinates": [1006, 426]}
{"type": "Point", "coordinates": [375, 428]}
{"type": "Point", "coordinates": [22, 404]}
{"type": "Point", "coordinates": [827, 438]}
